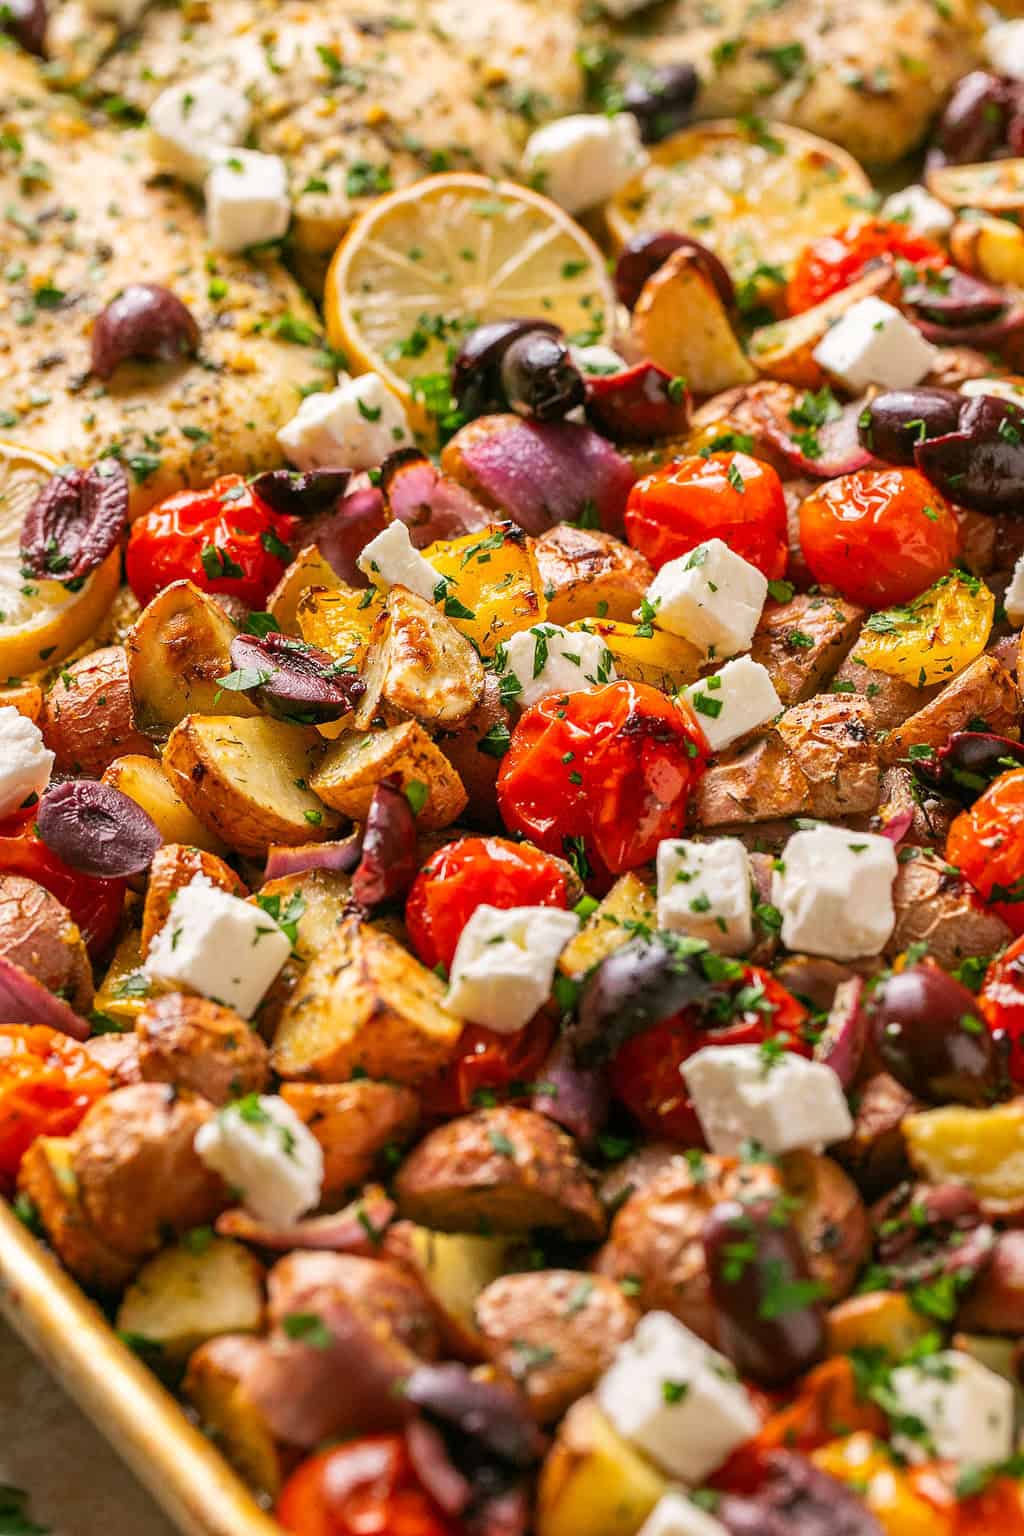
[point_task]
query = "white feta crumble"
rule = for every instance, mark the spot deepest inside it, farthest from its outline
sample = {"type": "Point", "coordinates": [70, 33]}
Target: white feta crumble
{"type": "Point", "coordinates": [710, 596]}
{"type": "Point", "coordinates": [261, 1148]}
{"type": "Point", "coordinates": [25, 761]}
{"type": "Point", "coordinates": [247, 199]}
{"type": "Point", "coordinates": [188, 120]}
{"type": "Point", "coordinates": [736, 699]}
{"type": "Point", "coordinates": [704, 890]}
{"type": "Point", "coordinates": [744, 1093]}
{"type": "Point", "coordinates": [676, 1399]}
{"type": "Point", "coordinates": [218, 945]}
{"type": "Point", "coordinates": [598, 361]}
{"type": "Point", "coordinates": [354, 426]}
{"type": "Point", "coordinates": [966, 1411]}
{"type": "Point", "coordinates": [549, 659]}
{"type": "Point", "coordinates": [1004, 45]}
{"type": "Point", "coordinates": [834, 890]}
{"type": "Point", "coordinates": [390, 561]}
{"type": "Point", "coordinates": [1002, 389]}
{"type": "Point", "coordinates": [677, 1515]}
{"type": "Point", "coordinates": [1013, 601]}
{"type": "Point", "coordinates": [873, 343]}
{"type": "Point", "coordinates": [504, 964]}
{"type": "Point", "coordinates": [583, 160]}
{"type": "Point", "coordinates": [923, 214]}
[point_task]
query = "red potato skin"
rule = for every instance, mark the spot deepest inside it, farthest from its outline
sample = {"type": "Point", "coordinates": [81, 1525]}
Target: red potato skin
{"type": "Point", "coordinates": [200, 1047]}
{"type": "Point", "coordinates": [87, 715]}
{"type": "Point", "coordinates": [38, 934]}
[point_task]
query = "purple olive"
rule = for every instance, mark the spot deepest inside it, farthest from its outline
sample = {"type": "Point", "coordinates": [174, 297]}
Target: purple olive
{"type": "Point", "coordinates": [96, 829]}
{"type": "Point", "coordinates": [981, 464]}
{"type": "Point", "coordinates": [644, 254]}
{"type": "Point", "coordinates": [145, 321]}
{"type": "Point", "coordinates": [954, 298]}
{"type": "Point", "coordinates": [292, 680]}
{"type": "Point", "coordinates": [476, 371]}
{"type": "Point", "coordinates": [296, 493]}
{"type": "Point", "coordinates": [795, 1498]}
{"type": "Point", "coordinates": [574, 1097]}
{"type": "Point", "coordinates": [768, 1311]}
{"type": "Point", "coordinates": [539, 378]}
{"type": "Point", "coordinates": [388, 863]}
{"type": "Point", "coordinates": [25, 21]}
{"type": "Point", "coordinates": [638, 985]}
{"type": "Point", "coordinates": [638, 405]}
{"type": "Point", "coordinates": [928, 1034]}
{"type": "Point", "coordinates": [969, 762]}
{"type": "Point", "coordinates": [496, 1416]}
{"type": "Point", "coordinates": [893, 423]}
{"type": "Point", "coordinates": [75, 521]}
{"type": "Point", "coordinates": [662, 102]}
{"type": "Point", "coordinates": [974, 123]}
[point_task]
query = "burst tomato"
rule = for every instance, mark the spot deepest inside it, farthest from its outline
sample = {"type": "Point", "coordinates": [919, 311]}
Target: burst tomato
{"type": "Point", "coordinates": [835, 261]}
{"type": "Point", "coordinates": [47, 1082]}
{"type": "Point", "coordinates": [366, 1487]}
{"type": "Point", "coordinates": [602, 777]}
{"type": "Point", "coordinates": [95, 904]}
{"type": "Point", "coordinates": [487, 1067]}
{"type": "Point", "coordinates": [749, 1007]}
{"type": "Point", "coordinates": [223, 539]}
{"type": "Point", "coordinates": [726, 496]}
{"type": "Point", "coordinates": [986, 844]}
{"type": "Point", "coordinates": [1001, 1003]}
{"type": "Point", "coordinates": [880, 536]}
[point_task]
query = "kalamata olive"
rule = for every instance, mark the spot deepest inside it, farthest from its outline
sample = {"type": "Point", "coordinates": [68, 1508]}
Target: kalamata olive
{"type": "Point", "coordinates": [768, 1311]}
{"type": "Point", "coordinates": [75, 521]}
{"type": "Point", "coordinates": [644, 254]}
{"type": "Point", "coordinates": [97, 829]}
{"type": "Point", "coordinates": [388, 863]}
{"type": "Point", "coordinates": [981, 464]}
{"type": "Point", "coordinates": [292, 680]}
{"type": "Point", "coordinates": [662, 101]}
{"type": "Point", "coordinates": [495, 1415]}
{"type": "Point", "coordinates": [638, 405]}
{"type": "Point", "coordinates": [969, 762]}
{"type": "Point", "coordinates": [928, 1034]}
{"type": "Point", "coordinates": [638, 985]}
{"type": "Point", "coordinates": [476, 371]}
{"type": "Point", "coordinates": [574, 1097]}
{"type": "Point", "coordinates": [25, 21]}
{"type": "Point", "coordinates": [147, 321]}
{"type": "Point", "coordinates": [297, 493]}
{"type": "Point", "coordinates": [795, 1498]}
{"type": "Point", "coordinates": [893, 423]}
{"type": "Point", "coordinates": [974, 123]}
{"type": "Point", "coordinates": [539, 378]}
{"type": "Point", "coordinates": [954, 298]}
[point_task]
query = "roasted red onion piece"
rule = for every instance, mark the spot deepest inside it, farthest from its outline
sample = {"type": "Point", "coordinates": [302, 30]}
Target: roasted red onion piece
{"type": "Point", "coordinates": [342, 535]}
{"type": "Point", "coordinates": [955, 298]}
{"type": "Point", "coordinates": [95, 828]}
{"type": "Point", "coordinates": [302, 493]}
{"type": "Point", "coordinates": [476, 372]}
{"type": "Point", "coordinates": [575, 1097]}
{"type": "Point", "coordinates": [429, 504]}
{"type": "Point", "coordinates": [896, 826]}
{"type": "Point", "coordinates": [644, 254]}
{"type": "Point", "coordinates": [340, 857]}
{"type": "Point", "coordinates": [389, 862]}
{"type": "Point", "coordinates": [832, 449]}
{"type": "Point", "coordinates": [356, 1229]}
{"type": "Point", "coordinates": [893, 423]}
{"type": "Point", "coordinates": [1001, 334]}
{"type": "Point", "coordinates": [841, 1045]}
{"type": "Point", "coordinates": [24, 1000]}
{"type": "Point", "coordinates": [292, 680]}
{"type": "Point", "coordinates": [75, 521]}
{"type": "Point", "coordinates": [541, 473]}
{"type": "Point", "coordinates": [981, 465]}
{"type": "Point", "coordinates": [145, 321]}
{"type": "Point", "coordinates": [25, 21]}
{"type": "Point", "coordinates": [496, 1416]}
{"type": "Point", "coordinates": [638, 405]}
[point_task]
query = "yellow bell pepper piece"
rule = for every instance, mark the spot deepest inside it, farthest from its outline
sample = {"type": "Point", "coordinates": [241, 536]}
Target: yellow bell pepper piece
{"type": "Point", "coordinates": [492, 583]}
{"type": "Point", "coordinates": [932, 638]}
{"type": "Point", "coordinates": [339, 621]}
{"type": "Point", "coordinates": [643, 654]}
{"type": "Point", "coordinates": [865, 1465]}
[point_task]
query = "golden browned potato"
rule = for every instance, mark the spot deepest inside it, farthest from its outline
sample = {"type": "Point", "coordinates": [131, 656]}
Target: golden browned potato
{"type": "Point", "coordinates": [876, 1154]}
{"type": "Point", "coordinates": [215, 1385]}
{"type": "Point", "coordinates": [202, 1287]}
{"type": "Point", "coordinates": [982, 1148]}
{"type": "Point", "coordinates": [117, 1054]}
{"type": "Point", "coordinates": [38, 934]}
{"type": "Point", "coordinates": [200, 1047]}
{"type": "Point", "coordinates": [174, 866]}
{"type": "Point", "coordinates": [419, 664]}
{"type": "Point", "coordinates": [365, 1004]}
{"type": "Point", "coordinates": [475, 751]}
{"type": "Point", "coordinates": [452, 1268]}
{"type": "Point", "coordinates": [586, 573]}
{"type": "Point", "coordinates": [680, 323]}
{"type": "Point", "coordinates": [355, 764]}
{"type": "Point", "coordinates": [785, 350]}
{"type": "Point", "coordinates": [248, 780]}
{"type": "Point", "coordinates": [592, 1480]}
{"type": "Point", "coordinates": [47, 1178]}
{"type": "Point", "coordinates": [747, 411]}
{"type": "Point", "coordinates": [984, 691]}
{"type": "Point", "coordinates": [178, 648]}
{"type": "Point", "coordinates": [880, 1320]}
{"type": "Point", "coordinates": [502, 1170]}
{"type": "Point", "coordinates": [761, 782]}
{"type": "Point", "coordinates": [892, 699]}
{"type": "Point", "coordinates": [630, 901]}
{"type": "Point", "coordinates": [804, 642]}
{"type": "Point", "coordinates": [87, 714]}
{"type": "Point", "coordinates": [143, 780]}
{"type": "Point", "coordinates": [935, 907]}
{"type": "Point", "coordinates": [308, 569]}
{"type": "Point", "coordinates": [354, 1123]}
{"type": "Point", "coordinates": [831, 739]}
{"type": "Point", "coordinates": [384, 1290]}
{"type": "Point", "coordinates": [554, 1331]}
{"type": "Point", "coordinates": [830, 1218]}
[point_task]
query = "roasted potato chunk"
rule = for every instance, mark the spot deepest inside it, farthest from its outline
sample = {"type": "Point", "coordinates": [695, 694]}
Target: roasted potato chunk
{"type": "Point", "coordinates": [143, 780]}
{"type": "Point", "coordinates": [762, 782]}
{"type": "Point", "coordinates": [38, 934]}
{"type": "Point", "coordinates": [831, 1219]}
{"type": "Point", "coordinates": [47, 1178]}
{"type": "Point", "coordinates": [26, 698]}
{"type": "Point", "coordinates": [200, 1047]}
{"type": "Point", "coordinates": [419, 664]}
{"type": "Point", "coordinates": [354, 1123]}
{"type": "Point", "coordinates": [357, 761]}
{"type": "Point", "coordinates": [203, 1287]}
{"type": "Point", "coordinates": [629, 903]}
{"type": "Point", "coordinates": [87, 715]}
{"type": "Point", "coordinates": [586, 573]}
{"type": "Point", "coordinates": [178, 648]}
{"type": "Point", "coordinates": [803, 642]}
{"type": "Point", "coordinates": [173, 867]}
{"type": "Point", "coordinates": [830, 738]}
{"type": "Point", "coordinates": [785, 350]}
{"type": "Point", "coordinates": [936, 907]}
{"type": "Point", "coordinates": [892, 699]}
{"type": "Point", "coordinates": [876, 1154]}
{"type": "Point", "coordinates": [982, 697]}
{"type": "Point", "coordinates": [215, 1385]}
{"type": "Point", "coordinates": [453, 1269]}
{"type": "Point", "coordinates": [680, 323]}
{"type": "Point", "coordinates": [880, 1320]}
{"type": "Point", "coordinates": [982, 1148]}
{"type": "Point", "coordinates": [475, 751]}
{"type": "Point", "coordinates": [592, 1480]}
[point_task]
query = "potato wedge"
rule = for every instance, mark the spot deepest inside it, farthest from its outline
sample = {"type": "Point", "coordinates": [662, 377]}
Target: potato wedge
{"type": "Point", "coordinates": [176, 865]}
{"type": "Point", "coordinates": [47, 1178]}
{"type": "Point", "coordinates": [324, 904]}
{"type": "Point", "coordinates": [593, 1481]}
{"type": "Point", "coordinates": [365, 1004]}
{"type": "Point", "coordinates": [178, 647]}
{"type": "Point", "coordinates": [215, 1386]}
{"type": "Point", "coordinates": [453, 1268]}
{"type": "Point", "coordinates": [935, 908]}
{"type": "Point", "coordinates": [143, 780]}
{"type": "Point", "coordinates": [991, 248]}
{"type": "Point", "coordinates": [804, 642]}
{"type": "Point", "coordinates": [876, 1154]}
{"type": "Point", "coordinates": [762, 782]}
{"type": "Point", "coordinates": [589, 574]}
{"type": "Point", "coordinates": [247, 779]}
{"type": "Point", "coordinates": [646, 655]}
{"type": "Point", "coordinates": [202, 1287]}
{"type": "Point", "coordinates": [475, 751]}
{"type": "Point", "coordinates": [982, 1148]}
{"type": "Point", "coordinates": [892, 699]}
{"type": "Point", "coordinates": [830, 1219]}
{"type": "Point", "coordinates": [419, 664]}
{"type": "Point", "coordinates": [785, 350]}
{"type": "Point", "coordinates": [354, 1123]}
{"type": "Point", "coordinates": [493, 574]}
{"type": "Point", "coordinates": [355, 764]}
{"type": "Point", "coordinates": [680, 323]}
{"type": "Point", "coordinates": [983, 692]}
{"type": "Point", "coordinates": [87, 714]}
{"type": "Point", "coordinates": [831, 740]}
{"type": "Point", "coordinates": [995, 186]}
{"type": "Point", "coordinates": [629, 906]}
{"type": "Point", "coordinates": [308, 569]}
{"type": "Point", "coordinates": [200, 1047]}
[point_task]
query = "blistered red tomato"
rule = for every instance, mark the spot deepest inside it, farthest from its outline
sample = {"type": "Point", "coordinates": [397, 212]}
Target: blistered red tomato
{"type": "Point", "coordinates": [47, 1082]}
{"type": "Point", "coordinates": [726, 496]}
{"type": "Point", "coordinates": [488, 1067]}
{"type": "Point", "coordinates": [366, 1487]}
{"type": "Point", "coordinates": [986, 844]}
{"type": "Point", "coordinates": [600, 778]}
{"type": "Point", "coordinates": [879, 536]}
{"type": "Point", "coordinates": [749, 1008]}
{"type": "Point", "coordinates": [835, 261]}
{"type": "Point", "coordinates": [95, 904]}
{"type": "Point", "coordinates": [1001, 1003]}
{"type": "Point", "coordinates": [223, 539]}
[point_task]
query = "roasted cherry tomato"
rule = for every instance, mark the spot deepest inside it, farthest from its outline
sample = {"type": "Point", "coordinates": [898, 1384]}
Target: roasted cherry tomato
{"type": "Point", "coordinates": [95, 904]}
{"type": "Point", "coordinates": [880, 536]}
{"type": "Point", "coordinates": [986, 844]}
{"type": "Point", "coordinates": [1001, 1003]}
{"type": "Point", "coordinates": [223, 539]}
{"type": "Point", "coordinates": [47, 1082]}
{"type": "Point", "coordinates": [749, 1008]}
{"type": "Point", "coordinates": [470, 873]}
{"type": "Point", "coordinates": [836, 261]}
{"type": "Point", "coordinates": [487, 1067]}
{"type": "Point", "coordinates": [726, 496]}
{"type": "Point", "coordinates": [366, 1487]}
{"type": "Point", "coordinates": [600, 778]}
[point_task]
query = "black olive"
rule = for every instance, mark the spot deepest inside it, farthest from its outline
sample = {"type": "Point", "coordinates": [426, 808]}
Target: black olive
{"type": "Point", "coordinates": [95, 828]}
{"type": "Point", "coordinates": [643, 982]}
{"type": "Point", "coordinates": [476, 372]}
{"type": "Point", "coordinates": [973, 125]}
{"type": "Point", "coordinates": [539, 377]}
{"type": "Point", "coordinates": [893, 424]}
{"type": "Point", "coordinates": [292, 680]}
{"type": "Point", "coordinates": [662, 102]}
{"type": "Point", "coordinates": [930, 1037]}
{"type": "Point", "coordinates": [146, 321]}
{"type": "Point", "coordinates": [981, 464]}
{"type": "Point", "coordinates": [955, 299]}
{"type": "Point", "coordinates": [25, 21]}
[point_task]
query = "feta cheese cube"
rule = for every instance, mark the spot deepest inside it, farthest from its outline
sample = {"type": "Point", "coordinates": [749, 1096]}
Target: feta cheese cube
{"type": "Point", "coordinates": [736, 699]}
{"type": "Point", "coordinates": [504, 964]}
{"type": "Point", "coordinates": [1004, 45]}
{"type": "Point", "coordinates": [834, 890]}
{"type": "Point", "coordinates": [710, 597]}
{"type": "Point", "coordinates": [598, 361]}
{"type": "Point", "coordinates": [218, 945]}
{"type": "Point", "coordinates": [261, 1148]}
{"type": "Point", "coordinates": [966, 1410]}
{"type": "Point", "coordinates": [1013, 601]}
{"type": "Point", "coordinates": [676, 1399]}
{"type": "Point", "coordinates": [873, 343]}
{"type": "Point", "coordinates": [922, 213]}
{"type": "Point", "coordinates": [1002, 389]}
{"type": "Point", "coordinates": [390, 561]}
{"type": "Point", "coordinates": [549, 659]}
{"type": "Point", "coordinates": [189, 119]}
{"type": "Point", "coordinates": [583, 160]}
{"type": "Point", "coordinates": [247, 199]}
{"type": "Point", "coordinates": [354, 426]}
{"type": "Point", "coordinates": [704, 891]}
{"type": "Point", "coordinates": [25, 761]}
{"type": "Point", "coordinates": [675, 1514]}
{"type": "Point", "coordinates": [742, 1093]}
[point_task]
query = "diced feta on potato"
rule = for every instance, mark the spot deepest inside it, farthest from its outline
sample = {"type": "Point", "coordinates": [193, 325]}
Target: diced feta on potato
{"type": "Point", "coordinates": [704, 891]}
{"type": "Point", "coordinates": [193, 117]}
{"type": "Point", "coordinates": [504, 964]}
{"type": "Point", "coordinates": [218, 945]}
{"type": "Point", "coordinates": [966, 1411]}
{"type": "Point", "coordinates": [354, 426]}
{"type": "Point", "coordinates": [779, 1100]}
{"type": "Point", "coordinates": [549, 659]}
{"type": "Point", "coordinates": [262, 1149]}
{"type": "Point", "coordinates": [583, 160]}
{"type": "Point", "coordinates": [247, 199]}
{"type": "Point", "coordinates": [25, 761]}
{"type": "Point", "coordinates": [389, 560]}
{"type": "Point", "coordinates": [736, 699]}
{"type": "Point", "coordinates": [834, 890]}
{"type": "Point", "coordinates": [873, 343]}
{"type": "Point", "coordinates": [711, 597]}
{"type": "Point", "coordinates": [922, 213]}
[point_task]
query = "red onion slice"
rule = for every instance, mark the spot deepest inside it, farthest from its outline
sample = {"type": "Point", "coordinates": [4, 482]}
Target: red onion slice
{"type": "Point", "coordinates": [839, 449]}
{"type": "Point", "coordinates": [896, 827]}
{"type": "Point", "coordinates": [357, 1229]}
{"type": "Point", "coordinates": [24, 1000]}
{"type": "Point", "coordinates": [575, 1097]}
{"type": "Point", "coordinates": [339, 857]}
{"type": "Point", "coordinates": [985, 335]}
{"type": "Point", "coordinates": [429, 1457]}
{"type": "Point", "coordinates": [342, 535]}
{"type": "Point", "coordinates": [539, 474]}
{"type": "Point", "coordinates": [429, 504]}
{"type": "Point", "coordinates": [389, 858]}
{"type": "Point", "coordinates": [97, 829]}
{"type": "Point", "coordinates": [842, 1043]}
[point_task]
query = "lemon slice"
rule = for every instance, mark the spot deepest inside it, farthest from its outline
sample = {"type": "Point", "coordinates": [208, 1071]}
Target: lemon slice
{"type": "Point", "coordinates": [425, 265]}
{"type": "Point", "coordinates": [40, 621]}
{"type": "Point", "coordinates": [755, 193]}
